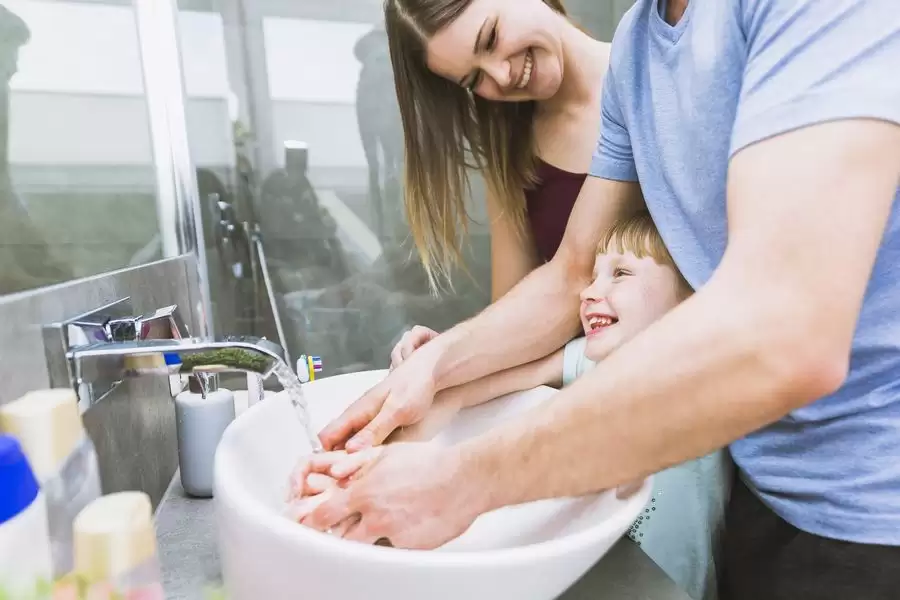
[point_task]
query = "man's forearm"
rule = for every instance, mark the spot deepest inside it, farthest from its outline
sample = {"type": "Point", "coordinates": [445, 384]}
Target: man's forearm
{"type": "Point", "coordinates": [684, 387]}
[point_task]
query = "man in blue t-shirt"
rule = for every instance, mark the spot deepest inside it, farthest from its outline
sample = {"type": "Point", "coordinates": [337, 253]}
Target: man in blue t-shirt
{"type": "Point", "coordinates": [765, 136]}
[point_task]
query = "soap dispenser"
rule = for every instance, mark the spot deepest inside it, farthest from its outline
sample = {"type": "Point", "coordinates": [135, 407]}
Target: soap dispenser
{"type": "Point", "coordinates": [48, 425]}
{"type": "Point", "coordinates": [202, 413]}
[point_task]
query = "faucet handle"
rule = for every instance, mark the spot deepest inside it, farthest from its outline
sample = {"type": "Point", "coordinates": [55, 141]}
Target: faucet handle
{"type": "Point", "coordinates": [163, 324]}
{"type": "Point", "coordinates": [90, 330]}
{"type": "Point", "coordinates": [112, 323]}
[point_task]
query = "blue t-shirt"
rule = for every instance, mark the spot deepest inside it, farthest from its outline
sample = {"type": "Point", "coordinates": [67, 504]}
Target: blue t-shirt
{"type": "Point", "coordinates": [678, 102]}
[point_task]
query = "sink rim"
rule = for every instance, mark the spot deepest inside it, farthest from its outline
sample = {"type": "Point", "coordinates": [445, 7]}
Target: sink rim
{"type": "Point", "coordinates": [248, 508]}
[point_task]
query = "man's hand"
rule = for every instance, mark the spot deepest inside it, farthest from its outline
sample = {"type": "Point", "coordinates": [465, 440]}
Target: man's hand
{"type": "Point", "coordinates": [413, 495]}
{"type": "Point", "coordinates": [400, 400]}
{"type": "Point", "coordinates": [319, 475]}
{"type": "Point", "coordinates": [312, 475]}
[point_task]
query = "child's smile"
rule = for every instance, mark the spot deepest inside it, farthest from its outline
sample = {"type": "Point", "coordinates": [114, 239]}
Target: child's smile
{"type": "Point", "coordinates": [598, 321]}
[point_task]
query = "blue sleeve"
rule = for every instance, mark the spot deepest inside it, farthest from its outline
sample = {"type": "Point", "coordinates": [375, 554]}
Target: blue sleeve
{"type": "Point", "coordinates": [613, 158]}
{"type": "Point", "coordinates": [812, 61]}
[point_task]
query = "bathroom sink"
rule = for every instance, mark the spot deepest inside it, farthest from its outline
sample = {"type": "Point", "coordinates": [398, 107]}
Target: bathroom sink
{"type": "Point", "coordinates": [533, 551]}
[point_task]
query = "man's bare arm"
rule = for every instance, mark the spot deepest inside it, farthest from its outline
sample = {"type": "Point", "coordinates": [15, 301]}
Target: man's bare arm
{"type": "Point", "coordinates": [806, 217]}
{"type": "Point", "coordinates": [540, 314]}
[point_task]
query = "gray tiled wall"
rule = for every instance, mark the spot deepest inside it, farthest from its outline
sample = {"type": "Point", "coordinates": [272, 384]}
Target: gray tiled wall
{"type": "Point", "coordinates": [133, 428]}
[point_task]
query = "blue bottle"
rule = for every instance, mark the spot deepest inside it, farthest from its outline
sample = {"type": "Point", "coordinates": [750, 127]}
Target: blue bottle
{"type": "Point", "coordinates": [25, 562]}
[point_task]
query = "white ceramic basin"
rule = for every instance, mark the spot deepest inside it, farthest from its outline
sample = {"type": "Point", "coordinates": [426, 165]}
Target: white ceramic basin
{"type": "Point", "coordinates": [528, 552]}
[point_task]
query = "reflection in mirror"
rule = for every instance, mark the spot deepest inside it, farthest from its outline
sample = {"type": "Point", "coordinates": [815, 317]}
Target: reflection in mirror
{"type": "Point", "coordinates": [77, 194]}
{"type": "Point", "coordinates": [381, 133]}
{"type": "Point", "coordinates": [25, 259]}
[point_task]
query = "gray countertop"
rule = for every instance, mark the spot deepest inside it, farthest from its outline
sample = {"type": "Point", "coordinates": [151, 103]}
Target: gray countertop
{"type": "Point", "coordinates": [186, 536]}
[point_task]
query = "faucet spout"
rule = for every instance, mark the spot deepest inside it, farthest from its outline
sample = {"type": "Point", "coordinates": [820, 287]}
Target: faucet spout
{"type": "Point", "coordinates": [215, 355]}
{"type": "Point", "coordinates": [96, 351]}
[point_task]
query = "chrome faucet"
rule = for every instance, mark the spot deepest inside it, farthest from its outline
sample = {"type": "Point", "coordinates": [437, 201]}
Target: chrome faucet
{"type": "Point", "coordinates": [95, 352]}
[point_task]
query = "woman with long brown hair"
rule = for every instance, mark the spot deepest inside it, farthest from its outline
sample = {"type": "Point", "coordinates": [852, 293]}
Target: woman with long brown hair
{"type": "Point", "coordinates": [511, 88]}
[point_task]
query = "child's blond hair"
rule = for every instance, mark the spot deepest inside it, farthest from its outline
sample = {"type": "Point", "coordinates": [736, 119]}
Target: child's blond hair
{"type": "Point", "coordinates": [638, 235]}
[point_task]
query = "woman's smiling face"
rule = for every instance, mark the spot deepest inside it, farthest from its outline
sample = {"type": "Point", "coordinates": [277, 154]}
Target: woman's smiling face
{"type": "Point", "coordinates": [502, 50]}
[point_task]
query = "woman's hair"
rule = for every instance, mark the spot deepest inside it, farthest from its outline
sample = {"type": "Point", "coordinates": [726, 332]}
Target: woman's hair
{"type": "Point", "coordinates": [448, 130]}
{"type": "Point", "coordinates": [638, 235]}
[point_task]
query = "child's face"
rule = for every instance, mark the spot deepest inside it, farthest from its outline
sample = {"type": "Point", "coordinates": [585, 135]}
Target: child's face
{"type": "Point", "coordinates": [628, 294]}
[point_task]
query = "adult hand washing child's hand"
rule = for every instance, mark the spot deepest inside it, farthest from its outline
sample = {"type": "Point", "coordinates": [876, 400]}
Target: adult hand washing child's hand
{"type": "Point", "coordinates": [317, 476]}
{"type": "Point", "coordinates": [321, 472]}
{"type": "Point", "coordinates": [393, 492]}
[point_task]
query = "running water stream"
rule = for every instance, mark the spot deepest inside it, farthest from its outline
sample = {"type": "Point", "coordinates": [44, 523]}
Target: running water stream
{"type": "Point", "coordinates": [294, 389]}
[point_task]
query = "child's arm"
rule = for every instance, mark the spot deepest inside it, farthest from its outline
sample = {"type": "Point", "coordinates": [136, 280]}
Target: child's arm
{"type": "Point", "coordinates": [544, 371]}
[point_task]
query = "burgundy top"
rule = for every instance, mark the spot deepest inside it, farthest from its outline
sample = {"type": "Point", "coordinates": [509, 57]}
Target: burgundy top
{"type": "Point", "coordinates": [549, 204]}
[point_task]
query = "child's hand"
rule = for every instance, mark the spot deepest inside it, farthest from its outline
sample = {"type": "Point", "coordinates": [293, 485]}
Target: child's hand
{"type": "Point", "coordinates": [297, 509]}
{"type": "Point", "coordinates": [308, 490]}
{"type": "Point", "coordinates": [318, 473]}
{"type": "Point", "coordinates": [318, 465]}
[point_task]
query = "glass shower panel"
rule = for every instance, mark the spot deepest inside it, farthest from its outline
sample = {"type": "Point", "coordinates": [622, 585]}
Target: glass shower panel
{"type": "Point", "coordinates": [302, 150]}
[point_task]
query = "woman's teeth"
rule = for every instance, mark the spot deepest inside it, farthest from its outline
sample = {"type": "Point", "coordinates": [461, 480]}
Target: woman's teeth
{"type": "Point", "coordinates": [526, 73]}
